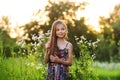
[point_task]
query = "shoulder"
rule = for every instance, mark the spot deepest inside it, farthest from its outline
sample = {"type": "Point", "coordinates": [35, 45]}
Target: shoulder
{"type": "Point", "coordinates": [69, 45]}
{"type": "Point", "coordinates": [47, 45]}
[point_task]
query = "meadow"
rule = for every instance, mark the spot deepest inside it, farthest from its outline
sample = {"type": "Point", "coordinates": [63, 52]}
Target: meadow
{"type": "Point", "coordinates": [25, 62]}
{"type": "Point", "coordinates": [22, 68]}
{"type": "Point", "coordinates": [107, 71]}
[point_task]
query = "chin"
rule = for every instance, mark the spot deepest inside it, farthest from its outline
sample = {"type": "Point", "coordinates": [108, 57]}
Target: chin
{"type": "Point", "coordinates": [61, 37]}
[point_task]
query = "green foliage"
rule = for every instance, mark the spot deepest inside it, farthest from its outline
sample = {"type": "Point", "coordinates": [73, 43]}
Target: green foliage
{"type": "Point", "coordinates": [79, 29]}
{"type": "Point", "coordinates": [21, 68]}
{"type": "Point", "coordinates": [24, 68]}
{"type": "Point", "coordinates": [26, 61]}
{"type": "Point", "coordinates": [5, 40]}
{"type": "Point", "coordinates": [67, 12]}
{"type": "Point", "coordinates": [30, 64]}
{"type": "Point", "coordinates": [107, 50]}
{"type": "Point", "coordinates": [82, 68]}
{"type": "Point", "coordinates": [116, 27]}
{"type": "Point", "coordinates": [112, 24]}
{"type": "Point", "coordinates": [61, 10]}
{"type": "Point", "coordinates": [107, 71]}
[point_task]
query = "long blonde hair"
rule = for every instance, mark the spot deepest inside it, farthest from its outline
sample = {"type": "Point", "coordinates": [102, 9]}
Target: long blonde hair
{"type": "Point", "coordinates": [53, 37]}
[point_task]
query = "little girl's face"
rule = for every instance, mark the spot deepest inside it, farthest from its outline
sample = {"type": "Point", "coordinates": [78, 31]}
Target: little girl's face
{"type": "Point", "coordinates": [61, 31]}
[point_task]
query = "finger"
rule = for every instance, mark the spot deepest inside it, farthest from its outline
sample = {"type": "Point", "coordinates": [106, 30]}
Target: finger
{"type": "Point", "coordinates": [51, 58]}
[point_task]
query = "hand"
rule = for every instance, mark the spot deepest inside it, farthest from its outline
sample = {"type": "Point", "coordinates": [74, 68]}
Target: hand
{"type": "Point", "coordinates": [54, 58]}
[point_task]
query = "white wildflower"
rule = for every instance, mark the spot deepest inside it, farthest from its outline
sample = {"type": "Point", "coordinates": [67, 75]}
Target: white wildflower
{"type": "Point", "coordinates": [98, 40]}
{"type": "Point", "coordinates": [94, 44]}
{"type": "Point", "coordinates": [82, 37]}
{"type": "Point", "coordinates": [32, 64]}
{"type": "Point", "coordinates": [33, 37]}
{"type": "Point", "coordinates": [76, 38]}
{"type": "Point", "coordinates": [37, 67]}
{"type": "Point", "coordinates": [27, 63]}
{"type": "Point", "coordinates": [89, 44]}
{"type": "Point", "coordinates": [40, 36]}
{"type": "Point", "coordinates": [81, 41]}
{"type": "Point", "coordinates": [21, 42]}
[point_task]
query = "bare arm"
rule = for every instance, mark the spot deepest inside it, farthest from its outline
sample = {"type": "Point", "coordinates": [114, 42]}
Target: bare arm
{"type": "Point", "coordinates": [65, 62]}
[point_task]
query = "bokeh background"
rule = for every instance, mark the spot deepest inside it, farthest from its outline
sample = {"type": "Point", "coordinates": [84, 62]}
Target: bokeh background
{"type": "Point", "coordinates": [94, 31]}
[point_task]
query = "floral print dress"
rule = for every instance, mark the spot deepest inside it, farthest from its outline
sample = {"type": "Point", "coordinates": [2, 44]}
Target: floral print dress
{"type": "Point", "coordinates": [57, 71]}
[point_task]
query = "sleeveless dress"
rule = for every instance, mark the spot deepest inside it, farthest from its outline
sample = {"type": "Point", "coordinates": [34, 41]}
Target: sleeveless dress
{"type": "Point", "coordinates": [57, 71]}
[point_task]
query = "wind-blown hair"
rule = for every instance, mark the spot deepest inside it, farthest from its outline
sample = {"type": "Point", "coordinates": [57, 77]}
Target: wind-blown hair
{"type": "Point", "coordinates": [53, 37]}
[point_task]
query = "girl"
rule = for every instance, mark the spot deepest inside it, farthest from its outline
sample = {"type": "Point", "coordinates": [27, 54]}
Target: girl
{"type": "Point", "coordinates": [58, 52]}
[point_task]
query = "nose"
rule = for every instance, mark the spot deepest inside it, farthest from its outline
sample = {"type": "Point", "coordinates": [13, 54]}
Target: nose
{"type": "Point", "coordinates": [60, 30]}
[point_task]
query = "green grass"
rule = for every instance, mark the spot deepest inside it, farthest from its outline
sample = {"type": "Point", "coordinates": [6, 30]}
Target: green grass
{"type": "Point", "coordinates": [22, 68]}
{"type": "Point", "coordinates": [108, 71]}
{"type": "Point", "coordinates": [108, 74]}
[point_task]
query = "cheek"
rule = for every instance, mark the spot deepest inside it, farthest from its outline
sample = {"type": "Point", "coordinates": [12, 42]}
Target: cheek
{"type": "Point", "coordinates": [65, 32]}
{"type": "Point", "coordinates": [56, 32]}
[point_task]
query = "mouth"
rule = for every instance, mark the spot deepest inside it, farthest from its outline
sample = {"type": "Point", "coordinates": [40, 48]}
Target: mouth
{"type": "Point", "coordinates": [61, 34]}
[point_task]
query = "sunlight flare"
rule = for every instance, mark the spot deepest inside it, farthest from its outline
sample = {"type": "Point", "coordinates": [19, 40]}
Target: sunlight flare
{"type": "Point", "coordinates": [21, 11]}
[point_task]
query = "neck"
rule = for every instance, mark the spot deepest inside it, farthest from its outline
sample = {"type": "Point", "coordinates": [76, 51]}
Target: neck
{"type": "Point", "coordinates": [61, 43]}
{"type": "Point", "coordinates": [60, 39]}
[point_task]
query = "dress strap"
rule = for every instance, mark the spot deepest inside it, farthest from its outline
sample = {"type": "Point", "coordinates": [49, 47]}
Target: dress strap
{"type": "Point", "coordinates": [66, 44]}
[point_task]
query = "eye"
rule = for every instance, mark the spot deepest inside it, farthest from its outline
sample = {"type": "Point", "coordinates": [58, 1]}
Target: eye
{"type": "Point", "coordinates": [63, 29]}
{"type": "Point", "coordinates": [57, 29]}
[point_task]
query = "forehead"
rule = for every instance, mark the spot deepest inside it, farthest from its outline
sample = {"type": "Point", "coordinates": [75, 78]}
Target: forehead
{"type": "Point", "coordinates": [60, 26]}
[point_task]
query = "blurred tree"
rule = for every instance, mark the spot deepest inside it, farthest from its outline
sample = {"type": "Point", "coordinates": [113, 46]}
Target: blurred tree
{"type": "Point", "coordinates": [112, 24]}
{"type": "Point", "coordinates": [4, 32]}
{"type": "Point", "coordinates": [30, 29]}
{"type": "Point", "coordinates": [61, 10]}
{"type": "Point", "coordinates": [107, 29]}
{"type": "Point", "coordinates": [115, 22]}
{"type": "Point", "coordinates": [67, 11]}
{"type": "Point", "coordinates": [107, 50]}
{"type": "Point", "coordinates": [5, 40]}
{"type": "Point", "coordinates": [111, 33]}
